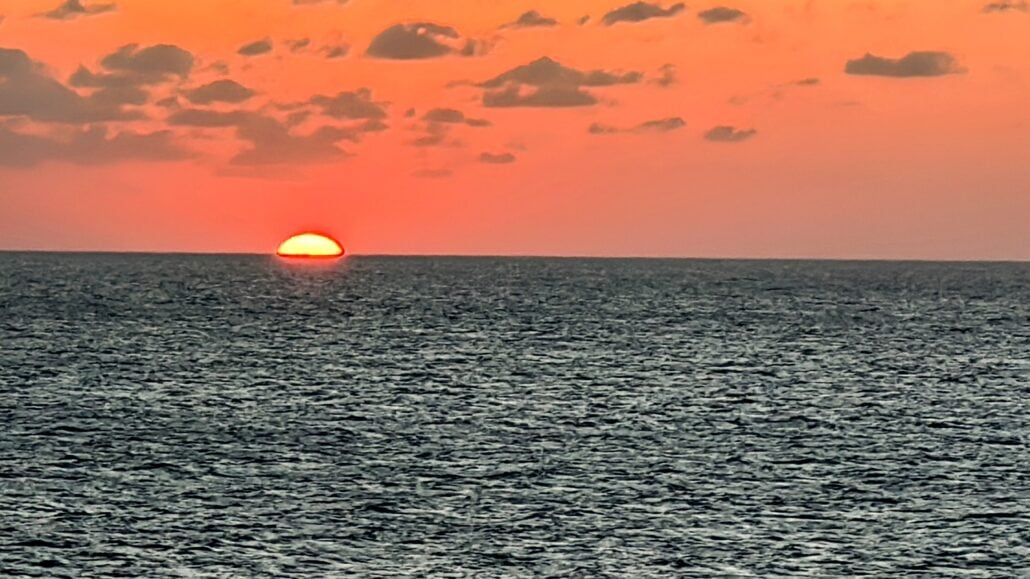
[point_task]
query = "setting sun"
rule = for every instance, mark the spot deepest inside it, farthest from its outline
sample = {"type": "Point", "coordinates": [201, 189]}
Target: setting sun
{"type": "Point", "coordinates": [310, 245]}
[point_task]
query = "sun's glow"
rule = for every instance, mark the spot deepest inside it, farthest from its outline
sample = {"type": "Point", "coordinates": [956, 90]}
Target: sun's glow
{"type": "Point", "coordinates": [310, 245]}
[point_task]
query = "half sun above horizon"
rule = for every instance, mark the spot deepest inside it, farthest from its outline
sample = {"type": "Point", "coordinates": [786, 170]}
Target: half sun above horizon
{"type": "Point", "coordinates": [310, 245]}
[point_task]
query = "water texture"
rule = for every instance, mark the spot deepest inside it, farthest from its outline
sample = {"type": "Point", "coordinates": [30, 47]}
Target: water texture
{"type": "Point", "coordinates": [232, 416]}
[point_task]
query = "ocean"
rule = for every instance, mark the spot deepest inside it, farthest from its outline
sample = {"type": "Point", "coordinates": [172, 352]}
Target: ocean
{"type": "Point", "coordinates": [223, 416]}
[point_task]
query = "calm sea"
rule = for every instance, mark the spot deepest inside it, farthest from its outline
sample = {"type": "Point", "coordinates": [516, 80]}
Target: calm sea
{"type": "Point", "coordinates": [238, 416]}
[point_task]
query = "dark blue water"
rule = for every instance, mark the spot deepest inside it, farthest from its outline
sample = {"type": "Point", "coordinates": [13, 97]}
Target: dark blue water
{"type": "Point", "coordinates": [238, 416]}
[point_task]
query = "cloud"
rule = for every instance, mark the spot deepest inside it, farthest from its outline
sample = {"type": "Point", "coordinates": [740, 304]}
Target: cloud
{"type": "Point", "coordinates": [660, 125]}
{"type": "Point", "coordinates": [337, 51]}
{"type": "Point", "coordinates": [256, 48]}
{"type": "Point", "coordinates": [356, 104]}
{"type": "Point", "coordinates": [126, 74]}
{"type": "Point", "coordinates": [27, 90]}
{"type": "Point", "coordinates": [453, 116]}
{"type": "Point", "coordinates": [436, 134]}
{"type": "Point", "coordinates": [430, 140]}
{"type": "Point", "coordinates": [299, 44]}
{"type": "Point", "coordinates": [556, 96]}
{"type": "Point", "coordinates": [914, 64]}
{"type": "Point", "coordinates": [208, 119]}
{"type": "Point", "coordinates": [640, 11]}
{"type": "Point", "coordinates": [667, 76]}
{"type": "Point", "coordinates": [729, 134]}
{"type": "Point", "coordinates": [653, 126]}
{"type": "Point", "coordinates": [810, 81]}
{"type": "Point", "coordinates": [219, 91]}
{"type": "Point", "coordinates": [601, 129]}
{"type": "Point", "coordinates": [120, 95]}
{"type": "Point", "coordinates": [418, 40]}
{"type": "Point", "coordinates": [151, 65]}
{"type": "Point", "coordinates": [74, 8]}
{"type": "Point", "coordinates": [548, 72]}
{"type": "Point", "coordinates": [171, 102]}
{"type": "Point", "coordinates": [1007, 6]}
{"type": "Point", "coordinates": [547, 83]}
{"type": "Point", "coordinates": [271, 142]}
{"type": "Point", "coordinates": [721, 14]}
{"type": "Point", "coordinates": [532, 19]}
{"type": "Point", "coordinates": [90, 146]}
{"type": "Point", "coordinates": [496, 159]}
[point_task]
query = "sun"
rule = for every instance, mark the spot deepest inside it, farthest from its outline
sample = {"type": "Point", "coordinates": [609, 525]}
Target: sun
{"type": "Point", "coordinates": [310, 244]}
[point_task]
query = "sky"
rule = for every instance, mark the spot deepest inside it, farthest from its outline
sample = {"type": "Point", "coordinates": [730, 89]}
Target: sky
{"type": "Point", "coordinates": [883, 129]}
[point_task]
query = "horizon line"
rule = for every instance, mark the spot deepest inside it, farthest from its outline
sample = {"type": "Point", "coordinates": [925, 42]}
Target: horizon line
{"type": "Point", "coordinates": [522, 256]}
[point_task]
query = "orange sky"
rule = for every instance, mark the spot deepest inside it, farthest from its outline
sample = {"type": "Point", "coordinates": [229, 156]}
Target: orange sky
{"type": "Point", "coordinates": [918, 151]}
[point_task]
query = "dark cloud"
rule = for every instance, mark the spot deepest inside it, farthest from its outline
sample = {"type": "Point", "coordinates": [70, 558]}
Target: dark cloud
{"type": "Point", "coordinates": [1007, 6]}
{"type": "Point", "coordinates": [532, 19]}
{"type": "Point", "coordinates": [127, 73]}
{"type": "Point", "coordinates": [453, 116]}
{"type": "Point", "coordinates": [436, 135]}
{"type": "Point", "coordinates": [132, 65]}
{"type": "Point", "coordinates": [171, 102]}
{"type": "Point", "coordinates": [297, 117]}
{"type": "Point", "coordinates": [417, 41]}
{"type": "Point", "coordinates": [444, 116]}
{"type": "Point", "coordinates": [654, 126]}
{"type": "Point", "coordinates": [27, 90]}
{"type": "Point", "coordinates": [583, 19]}
{"type": "Point", "coordinates": [667, 76]}
{"type": "Point", "coordinates": [256, 48]}
{"type": "Point", "coordinates": [219, 91]}
{"type": "Point", "coordinates": [548, 72]}
{"type": "Point", "coordinates": [337, 51]}
{"type": "Point", "coordinates": [547, 83]}
{"type": "Point", "coordinates": [721, 14]}
{"type": "Point", "coordinates": [373, 126]}
{"type": "Point", "coordinates": [299, 44]}
{"type": "Point", "coordinates": [121, 95]}
{"type": "Point", "coordinates": [914, 64]}
{"type": "Point", "coordinates": [209, 119]}
{"type": "Point", "coordinates": [729, 134]}
{"type": "Point", "coordinates": [74, 8]}
{"type": "Point", "coordinates": [219, 67]}
{"type": "Point", "coordinates": [270, 141]}
{"type": "Point", "coordinates": [640, 11]}
{"type": "Point", "coordinates": [356, 104]}
{"type": "Point", "coordinates": [811, 81]}
{"type": "Point", "coordinates": [660, 125]}
{"type": "Point", "coordinates": [496, 159]}
{"type": "Point", "coordinates": [554, 96]}
{"type": "Point", "coordinates": [430, 140]}
{"type": "Point", "coordinates": [91, 146]}
{"type": "Point", "coordinates": [601, 129]}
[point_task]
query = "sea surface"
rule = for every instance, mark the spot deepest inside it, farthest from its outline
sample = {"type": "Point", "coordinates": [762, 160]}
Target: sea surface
{"type": "Point", "coordinates": [241, 416]}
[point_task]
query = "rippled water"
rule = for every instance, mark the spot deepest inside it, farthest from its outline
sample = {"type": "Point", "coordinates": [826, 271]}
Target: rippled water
{"type": "Point", "coordinates": [238, 416]}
